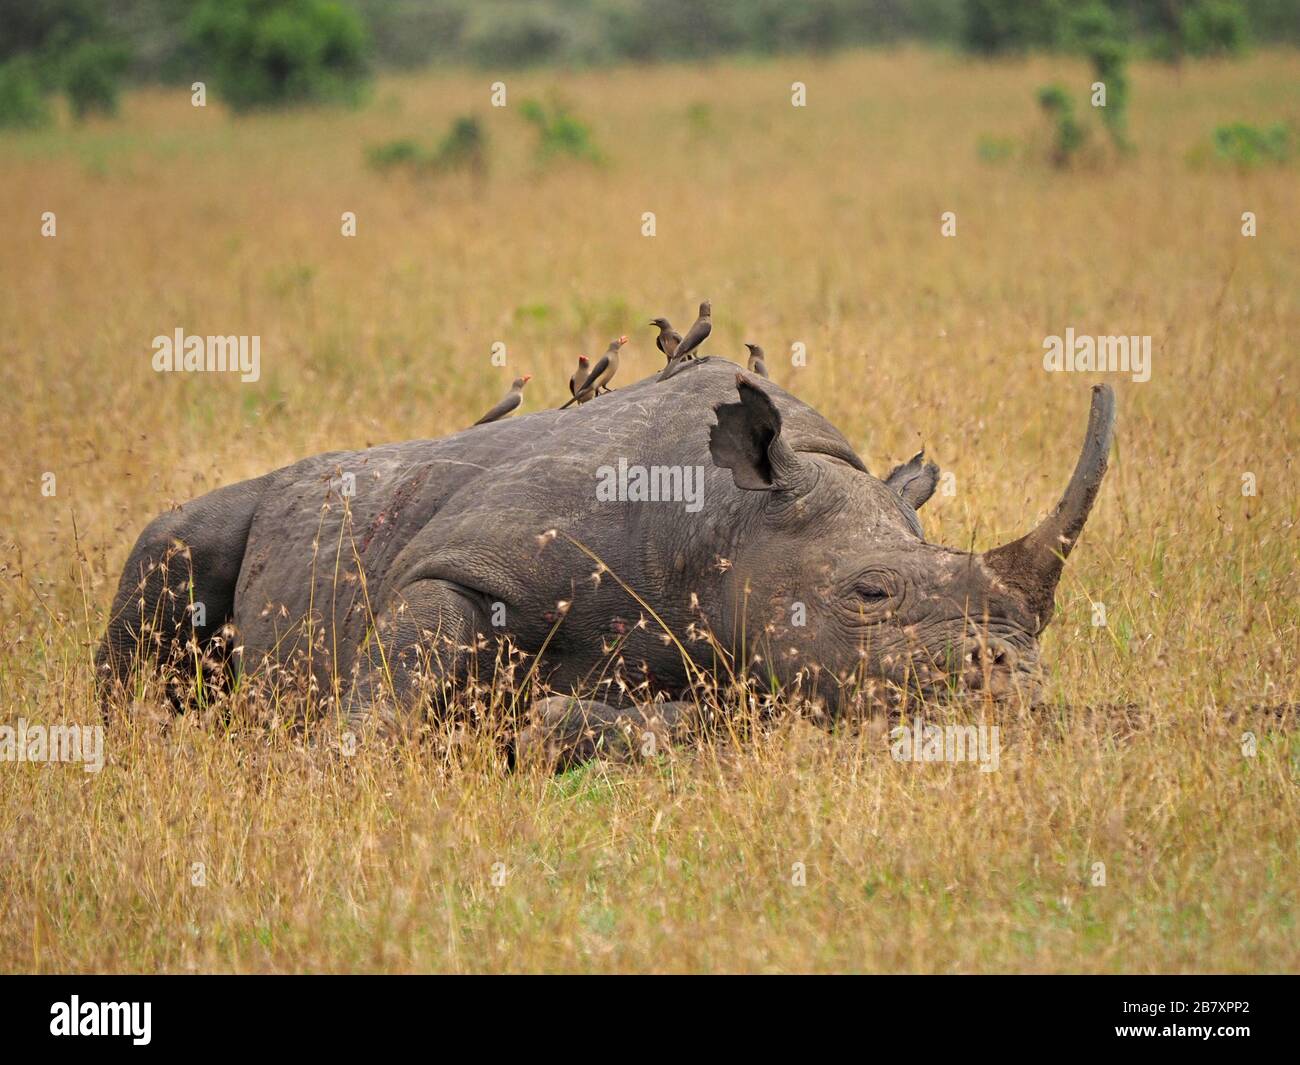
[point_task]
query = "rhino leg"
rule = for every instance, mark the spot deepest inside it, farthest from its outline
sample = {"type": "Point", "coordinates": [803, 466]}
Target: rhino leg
{"type": "Point", "coordinates": [564, 731]}
{"type": "Point", "coordinates": [177, 589]}
{"type": "Point", "coordinates": [424, 641]}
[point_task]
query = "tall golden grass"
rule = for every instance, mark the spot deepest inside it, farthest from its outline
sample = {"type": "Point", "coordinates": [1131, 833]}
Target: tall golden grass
{"type": "Point", "coordinates": [817, 225]}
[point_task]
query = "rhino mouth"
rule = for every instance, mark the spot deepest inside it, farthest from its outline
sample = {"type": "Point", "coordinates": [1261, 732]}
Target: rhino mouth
{"type": "Point", "coordinates": [1022, 684]}
{"type": "Point", "coordinates": [982, 673]}
{"type": "Point", "coordinates": [1022, 689]}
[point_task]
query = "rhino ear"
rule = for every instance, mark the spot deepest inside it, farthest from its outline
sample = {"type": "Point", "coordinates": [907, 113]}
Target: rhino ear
{"type": "Point", "coordinates": [747, 441]}
{"type": "Point", "coordinates": [915, 480]}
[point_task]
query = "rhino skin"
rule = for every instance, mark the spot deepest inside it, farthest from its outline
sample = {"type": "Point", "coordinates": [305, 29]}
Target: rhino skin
{"type": "Point", "coordinates": [398, 584]}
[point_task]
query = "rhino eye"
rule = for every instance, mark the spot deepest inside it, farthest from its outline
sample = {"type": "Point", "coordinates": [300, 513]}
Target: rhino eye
{"type": "Point", "coordinates": [872, 592]}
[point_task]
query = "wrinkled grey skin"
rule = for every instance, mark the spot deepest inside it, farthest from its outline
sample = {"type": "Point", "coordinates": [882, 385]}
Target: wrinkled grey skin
{"type": "Point", "coordinates": [452, 534]}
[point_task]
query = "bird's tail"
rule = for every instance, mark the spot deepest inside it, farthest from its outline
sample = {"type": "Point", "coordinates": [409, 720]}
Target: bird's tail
{"type": "Point", "coordinates": [570, 403]}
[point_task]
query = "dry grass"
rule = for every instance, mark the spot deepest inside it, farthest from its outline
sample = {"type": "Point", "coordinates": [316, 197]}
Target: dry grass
{"type": "Point", "coordinates": [816, 225]}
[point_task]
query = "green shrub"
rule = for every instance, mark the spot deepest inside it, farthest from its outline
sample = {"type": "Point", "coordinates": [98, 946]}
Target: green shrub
{"type": "Point", "coordinates": [1248, 146]}
{"type": "Point", "coordinates": [271, 53]}
{"type": "Point", "coordinates": [402, 152]}
{"type": "Point", "coordinates": [1070, 135]}
{"type": "Point", "coordinates": [1214, 28]}
{"type": "Point", "coordinates": [559, 132]}
{"type": "Point", "coordinates": [1095, 31]}
{"type": "Point", "coordinates": [463, 147]}
{"type": "Point", "coordinates": [22, 99]}
{"type": "Point", "coordinates": [90, 74]}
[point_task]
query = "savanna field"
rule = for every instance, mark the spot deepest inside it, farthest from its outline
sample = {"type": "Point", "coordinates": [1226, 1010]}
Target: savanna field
{"type": "Point", "coordinates": [817, 225]}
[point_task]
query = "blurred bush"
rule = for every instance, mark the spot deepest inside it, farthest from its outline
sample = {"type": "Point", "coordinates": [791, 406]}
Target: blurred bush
{"type": "Point", "coordinates": [403, 152]}
{"type": "Point", "coordinates": [1215, 28]}
{"type": "Point", "coordinates": [463, 147]}
{"type": "Point", "coordinates": [22, 96]}
{"type": "Point", "coordinates": [1167, 29]}
{"type": "Point", "coordinates": [1069, 134]}
{"type": "Point", "coordinates": [271, 53]}
{"type": "Point", "coordinates": [58, 45]}
{"type": "Point", "coordinates": [1246, 146]}
{"type": "Point", "coordinates": [1095, 31]}
{"type": "Point", "coordinates": [559, 132]}
{"type": "Point", "coordinates": [91, 75]}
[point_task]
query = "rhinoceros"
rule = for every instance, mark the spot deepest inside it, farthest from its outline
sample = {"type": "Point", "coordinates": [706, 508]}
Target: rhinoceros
{"type": "Point", "coordinates": [594, 543]}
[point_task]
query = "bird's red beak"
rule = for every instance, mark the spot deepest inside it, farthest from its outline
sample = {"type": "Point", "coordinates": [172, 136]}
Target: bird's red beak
{"type": "Point", "coordinates": [622, 340]}
{"type": "Point", "coordinates": [527, 377]}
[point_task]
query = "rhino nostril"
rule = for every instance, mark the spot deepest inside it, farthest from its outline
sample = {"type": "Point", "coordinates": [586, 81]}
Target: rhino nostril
{"type": "Point", "coordinates": [993, 655]}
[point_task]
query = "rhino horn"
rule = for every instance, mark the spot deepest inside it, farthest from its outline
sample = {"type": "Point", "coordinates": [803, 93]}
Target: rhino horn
{"type": "Point", "coordinates": [1031, 566]}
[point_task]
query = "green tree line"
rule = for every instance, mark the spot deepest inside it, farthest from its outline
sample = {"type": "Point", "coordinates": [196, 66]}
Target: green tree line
{"type": "Point", "coordinates": [260, 53]}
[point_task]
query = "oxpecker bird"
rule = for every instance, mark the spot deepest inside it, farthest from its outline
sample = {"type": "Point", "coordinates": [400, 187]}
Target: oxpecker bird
{"type": "Point", "coordinates": [695, 336]}
{"type": "Point", "coordinates": [756, 363]}
{"type": "Point", "coordinates": [668, 337]}
{"type": "Point", "coordinates": [509, 401]}
{"type": "Point", "coordinates": [601, 374]}
{"type": "Point", "coordinates": [579, 375]}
